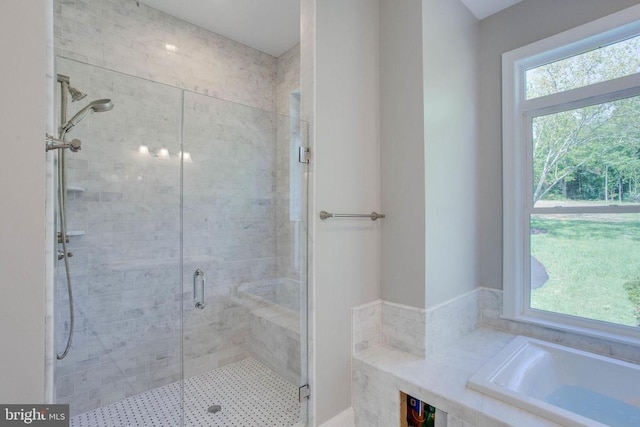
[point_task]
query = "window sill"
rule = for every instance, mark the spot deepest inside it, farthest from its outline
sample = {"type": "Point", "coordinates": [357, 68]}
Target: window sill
{"type": "Point", "coordinates": [600, 331]}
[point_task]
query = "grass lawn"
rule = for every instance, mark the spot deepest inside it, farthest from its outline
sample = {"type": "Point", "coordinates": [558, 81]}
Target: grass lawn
{"type": "Point", "coordinates": [588, 261]}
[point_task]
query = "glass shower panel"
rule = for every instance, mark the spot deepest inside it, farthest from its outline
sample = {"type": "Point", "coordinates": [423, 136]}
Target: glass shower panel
{"type": "Point", "coordinates": [244, 265]}
{"type": "Point", "coordinates": [123, 215]}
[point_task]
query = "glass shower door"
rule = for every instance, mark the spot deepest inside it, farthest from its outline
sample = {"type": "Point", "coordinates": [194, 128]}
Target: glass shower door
{"type": "Point", "coordinates": [244, 265]}
{"type": "Point", "coordinates": [123, 223]}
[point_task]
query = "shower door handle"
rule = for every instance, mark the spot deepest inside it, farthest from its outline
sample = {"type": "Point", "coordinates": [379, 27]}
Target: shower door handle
{"type": "Point", "coordinates": [199, 280]}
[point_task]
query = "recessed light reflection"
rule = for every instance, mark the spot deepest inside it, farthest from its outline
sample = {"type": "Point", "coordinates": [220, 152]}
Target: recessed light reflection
{"type": "Point", "coordinates": [143, 150]}
{"type": "Point", "coordinates": [163, 153]}
{"type": "Point", "coordinates": [185, 157]}
{"type": "Point", "coordinates": [171, 47]}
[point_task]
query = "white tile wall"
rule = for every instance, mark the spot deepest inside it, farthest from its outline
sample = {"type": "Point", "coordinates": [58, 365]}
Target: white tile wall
{"type": "Point", "coordinates": [403, 327]}
{"type": "Point", "coordinates": [129, 37]}
{"type": "Point", "coordinates": [366, 323]}
{"type": "Point", "coordinates": [414, 330]}
{"type": "Point", "coordinates": [126, 280]}
{"type": "Point", "coordinates": [275, 325]}
{"type": "Point", "coordinates": [448, 322]}
{"type": "Point", "coordinates": [275, 341]}
{"type": "Point", "coordinates": [288, 171]}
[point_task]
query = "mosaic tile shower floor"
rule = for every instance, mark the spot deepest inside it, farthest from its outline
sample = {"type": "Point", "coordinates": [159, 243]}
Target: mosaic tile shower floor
{"type": "Point", "coordinates": [249, 393]}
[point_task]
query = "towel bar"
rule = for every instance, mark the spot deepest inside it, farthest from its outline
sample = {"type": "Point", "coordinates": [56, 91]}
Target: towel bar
{"type": "Point", "coordinates": [373, 215]}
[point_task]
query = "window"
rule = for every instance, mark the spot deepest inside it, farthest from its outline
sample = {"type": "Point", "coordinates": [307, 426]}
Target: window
{"type": "Point", "coordinates": [571, 179]}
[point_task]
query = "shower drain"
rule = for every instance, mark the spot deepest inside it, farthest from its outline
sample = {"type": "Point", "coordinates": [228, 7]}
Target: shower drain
{"type": "Point", "coordinates": [214, 408]}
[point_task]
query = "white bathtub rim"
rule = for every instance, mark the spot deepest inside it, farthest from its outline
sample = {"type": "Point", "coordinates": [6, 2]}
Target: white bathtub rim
{"type": "Point", "coordinates": [482, 381]}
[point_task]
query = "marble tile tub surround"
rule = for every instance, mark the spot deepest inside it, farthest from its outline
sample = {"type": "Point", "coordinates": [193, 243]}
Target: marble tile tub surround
{"type": "Point", "coordinates": [366, 321]}
{"type": "Point", "coordinates": [381, 372]}
{"type": "Point", "coordinates": [413, 330]}
{"type": "Point", "coordinates": [395, 325]}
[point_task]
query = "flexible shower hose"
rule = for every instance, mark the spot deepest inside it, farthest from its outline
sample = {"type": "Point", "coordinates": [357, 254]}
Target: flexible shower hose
{"type": "Point", "coordinates": [63, 233]}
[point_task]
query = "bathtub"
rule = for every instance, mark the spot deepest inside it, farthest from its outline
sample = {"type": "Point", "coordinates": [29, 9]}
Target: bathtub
{"type": "Point", "coordinates": [567, 386]}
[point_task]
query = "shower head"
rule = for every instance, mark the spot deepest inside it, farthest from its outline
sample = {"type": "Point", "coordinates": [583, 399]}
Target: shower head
{"type": "Point", "coordinates": [76, 95]}
{"type": "Point", "coordinates": [97, 106]}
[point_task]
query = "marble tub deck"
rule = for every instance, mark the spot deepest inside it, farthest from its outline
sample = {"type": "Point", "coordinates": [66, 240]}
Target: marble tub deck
{"type": "Point", "coordinates": [381, 372]}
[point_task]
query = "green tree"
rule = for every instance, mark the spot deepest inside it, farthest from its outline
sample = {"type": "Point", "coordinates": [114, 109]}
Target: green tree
{"type": "Point", "coordinates": [596, 146]}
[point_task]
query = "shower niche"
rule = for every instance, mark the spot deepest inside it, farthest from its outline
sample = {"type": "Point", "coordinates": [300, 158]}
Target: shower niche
{"type": "Point", "coordinates": [187, 173]}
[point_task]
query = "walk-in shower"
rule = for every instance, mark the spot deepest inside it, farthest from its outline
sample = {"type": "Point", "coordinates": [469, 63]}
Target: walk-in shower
{"type": "Point", "coordinates": [185, 213]}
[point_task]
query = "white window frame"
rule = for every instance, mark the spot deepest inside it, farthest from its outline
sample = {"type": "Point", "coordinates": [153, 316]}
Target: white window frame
{"type": "Point", "coordinates": [517, 116]}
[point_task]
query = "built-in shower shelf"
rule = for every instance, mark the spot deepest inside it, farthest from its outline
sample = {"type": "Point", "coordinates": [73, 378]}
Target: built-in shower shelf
{"type": "Point", "coordinates": [76, 189]}
{"type": "Point", "coordinates": [71, 233]}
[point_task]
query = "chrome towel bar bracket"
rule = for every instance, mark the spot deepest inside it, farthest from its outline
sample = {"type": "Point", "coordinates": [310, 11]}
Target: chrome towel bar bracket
{"type": "Point", "coordinates": [372, 216]}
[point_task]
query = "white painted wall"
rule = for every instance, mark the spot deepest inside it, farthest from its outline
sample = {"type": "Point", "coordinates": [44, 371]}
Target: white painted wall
{"type": "Point", "coordinates": [519, 25]}
{"type": "Point", "coordinates": [450, 133]}
{"type": "Point", "coordinates": [428, 129]}
{"type": "Point", "coordinates": [23, 41]}
{"type": "Point", "coordinates": [346, 178]}
{"type": "Point", "coordinates": [402, 167]}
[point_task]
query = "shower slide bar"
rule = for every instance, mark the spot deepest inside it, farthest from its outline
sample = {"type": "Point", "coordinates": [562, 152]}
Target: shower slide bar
{"type": "Point", "coordinates": [373, 215]}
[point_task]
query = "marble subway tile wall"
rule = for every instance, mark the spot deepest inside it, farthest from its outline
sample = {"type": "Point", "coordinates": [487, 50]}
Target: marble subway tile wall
{"type": "Point", "coordinates": [366, 323]}
{"type": "Point", "coordinates": [287, 79]}
{"type": "Point", "coordinates": [127, 36]}
{"type": "Point", "coordinates": [229, 190]}
{"type": "Point", "coordinates": [275, 319]}
{"type": "Point", "coordinates": [275, 341]}
{"type": "Point", "coordinates": [123, 215]}
{"type": "Point", "coordinates": [403, 327]}
{"type": "Point", "coordinates": [451, 320]}
{"type": "Point", "coordinates": [414, 330]}
{"type": "Point", "coordinates": [288, 170]}
{"type": "Point", "coordinates": [229, 216]}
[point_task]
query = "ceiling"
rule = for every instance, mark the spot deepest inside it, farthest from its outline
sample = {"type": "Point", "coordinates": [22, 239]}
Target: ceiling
{"type": "Point", "coordinates": [483, 8]}
{"type": "Point", "coordinates": [271, 26]}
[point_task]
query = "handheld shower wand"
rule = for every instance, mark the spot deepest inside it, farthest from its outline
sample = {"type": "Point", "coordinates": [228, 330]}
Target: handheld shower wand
{"type": "Point", "coordinates": [97, 106]}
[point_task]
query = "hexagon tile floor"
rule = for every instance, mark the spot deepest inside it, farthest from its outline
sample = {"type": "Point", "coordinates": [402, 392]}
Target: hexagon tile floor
{"type": "Point", "coordinates": [249, 395]}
